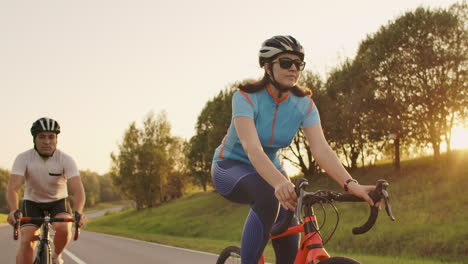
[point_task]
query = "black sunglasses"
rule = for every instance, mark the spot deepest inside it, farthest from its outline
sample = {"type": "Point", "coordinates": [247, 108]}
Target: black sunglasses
{"type": "Point", "coordinates": [286, 63]}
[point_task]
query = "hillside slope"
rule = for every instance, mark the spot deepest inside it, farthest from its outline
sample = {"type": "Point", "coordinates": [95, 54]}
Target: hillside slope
{"type": "Point", "coordinates": [429, 203]}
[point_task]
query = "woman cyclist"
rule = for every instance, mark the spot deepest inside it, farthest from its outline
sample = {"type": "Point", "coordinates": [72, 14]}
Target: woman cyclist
{"type": "Point", "coordinates": [266, 116]}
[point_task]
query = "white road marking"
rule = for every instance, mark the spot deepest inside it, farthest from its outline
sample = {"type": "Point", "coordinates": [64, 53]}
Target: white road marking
{"type": "Point", "coordinates": [72, 256]}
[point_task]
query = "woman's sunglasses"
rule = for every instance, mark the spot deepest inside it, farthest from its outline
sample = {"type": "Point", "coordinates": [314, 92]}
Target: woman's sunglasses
{"type": "Point", "coordinates": [286, 63]}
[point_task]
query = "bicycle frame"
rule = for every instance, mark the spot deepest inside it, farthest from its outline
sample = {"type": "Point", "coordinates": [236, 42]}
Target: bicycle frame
{"type": "Point", "coordinates": [311, 248]}
{"type": "Point", "coordinates": [44, 241]}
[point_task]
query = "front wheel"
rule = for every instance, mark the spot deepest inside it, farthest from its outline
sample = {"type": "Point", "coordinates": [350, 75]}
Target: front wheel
{"type": "Point", "coordinates": [43, 255]}
{"type": "Point", "coordinates": [339, 260]}
{"type": "Point", "coordinates": [229, 255]}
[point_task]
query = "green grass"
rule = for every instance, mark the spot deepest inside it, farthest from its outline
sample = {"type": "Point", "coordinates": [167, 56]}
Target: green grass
{"type": "Point", "coordinates": [428, 202]}
{"type": "Point", "coordinates": [3, 218]}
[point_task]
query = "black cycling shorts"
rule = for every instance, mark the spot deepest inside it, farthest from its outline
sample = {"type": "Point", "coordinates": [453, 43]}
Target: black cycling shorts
{"type": "Point", "coordinates": [52, 209]}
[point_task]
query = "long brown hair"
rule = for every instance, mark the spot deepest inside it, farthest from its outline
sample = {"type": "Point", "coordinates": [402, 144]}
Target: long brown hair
{"type": "Point", "coordinates": [255, 86]}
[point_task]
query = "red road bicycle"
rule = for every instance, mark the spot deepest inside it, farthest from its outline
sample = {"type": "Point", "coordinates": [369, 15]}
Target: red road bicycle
{"type": "Point", "coordinates": [311, 250]}
{"type": "Point", "coordinates": [43, 249]}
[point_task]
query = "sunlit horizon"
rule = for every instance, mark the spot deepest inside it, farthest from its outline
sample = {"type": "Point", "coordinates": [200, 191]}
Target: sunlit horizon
{"type": "Point", "coordinates": [459, 138]}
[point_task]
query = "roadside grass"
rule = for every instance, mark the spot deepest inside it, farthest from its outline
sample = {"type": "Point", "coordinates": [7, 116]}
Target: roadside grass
{"type": "Point", "coordinates": [427, 202]}
{"type": "Point", "coordinates": [3, 218]}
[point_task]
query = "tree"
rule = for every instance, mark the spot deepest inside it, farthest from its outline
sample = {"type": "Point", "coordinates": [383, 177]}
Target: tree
{"type": "Point", "coordinates": [416, 65]}
{"type": "Point", "coordinates": [124, 167]}
{"type": "Point", "coordinates": [176, 182]}
{"type": "Point", "coordinates": [212, 125]}
{"type": "Point", "coordinates": [107, 191]}
{"type": "Point", "coordinates": [144, 162]}
{"type": "Point", "coordinates": [390, 108]}
{"type": "Point", "coordinates": [298, 153]}
{"type": "Point", "coordinates": [4, 175]}
{"type": "Point", "coordinates": [458, 109]}
{"type": "Point", "coordinates": [91, 186]}
{"type": "Point", "coordinates": [348, 120]}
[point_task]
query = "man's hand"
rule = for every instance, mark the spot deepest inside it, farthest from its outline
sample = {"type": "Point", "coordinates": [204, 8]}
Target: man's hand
{"type": "Point", "coordinates": [13, 217]}
{"type": "Point", "coordinates": [80, 219]}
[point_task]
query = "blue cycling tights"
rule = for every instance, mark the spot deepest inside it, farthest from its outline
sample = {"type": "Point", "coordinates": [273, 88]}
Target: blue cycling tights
{"type": "Point", "coordinates": [239, 182]}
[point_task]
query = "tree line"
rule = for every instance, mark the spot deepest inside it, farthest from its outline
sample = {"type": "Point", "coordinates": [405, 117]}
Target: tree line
{"type": "Point", "coordinates": [405, 89]}
{"type": "Point", "coordinates": [98, 188]}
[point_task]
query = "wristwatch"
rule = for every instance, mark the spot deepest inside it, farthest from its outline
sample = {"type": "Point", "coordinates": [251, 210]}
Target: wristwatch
{"type": "Point", "coordinates": [345, 185]}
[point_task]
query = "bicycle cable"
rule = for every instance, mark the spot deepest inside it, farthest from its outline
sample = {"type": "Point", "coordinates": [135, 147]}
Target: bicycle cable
{"type": "Point", "coordinates": [318, 226]}
{"type": "Point", "coordinates": [324, 217]}
{"type": "Point", "coordinates": [336, 225]}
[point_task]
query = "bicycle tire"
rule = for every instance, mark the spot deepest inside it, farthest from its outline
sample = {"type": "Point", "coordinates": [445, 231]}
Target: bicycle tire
{"type": "Point", "coordinates": [230, 254]}
{"type": "Point", "coordinates": [46, 255]}
{"type": "Point", "coordinates": [43, 255]}
{"type": "Point", "coordinates": [339, 260]}
{"type": "Point", "coordinates": [38, 256]}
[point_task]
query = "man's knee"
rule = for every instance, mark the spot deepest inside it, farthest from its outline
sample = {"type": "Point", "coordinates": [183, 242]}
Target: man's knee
{"type": "Point", "coordinates": [62, 229]}
{"type": "Point", "coordinates": [28, 237]}
{"type": "Point", "coordinates": [27, 244]}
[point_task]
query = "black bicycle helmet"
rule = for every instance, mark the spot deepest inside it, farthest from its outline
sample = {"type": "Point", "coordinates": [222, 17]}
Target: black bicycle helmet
{"type": "Point", "coordinates": [277, 45]}
{"type": "Point", "coordinates": [45, 124]}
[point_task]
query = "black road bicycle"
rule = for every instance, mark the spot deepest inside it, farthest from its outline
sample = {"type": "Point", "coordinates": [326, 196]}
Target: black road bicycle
{"type": "Point", "coordinates": [43, 249]}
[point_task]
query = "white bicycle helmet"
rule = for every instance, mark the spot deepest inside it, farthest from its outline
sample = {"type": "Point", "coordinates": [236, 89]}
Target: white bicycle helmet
{"type": "Point", "coordinates": [277, 45]}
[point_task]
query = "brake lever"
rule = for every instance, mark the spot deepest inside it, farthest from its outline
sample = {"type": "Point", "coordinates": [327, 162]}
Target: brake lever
{"type": "Point", "coordinates": [388, 207]}
{"type": "Point", "coordinates": [298, 214]}
{"type": "Point", "coordinates": [301, 184]}
{"type": "Point", "coordinates": [16, 225]}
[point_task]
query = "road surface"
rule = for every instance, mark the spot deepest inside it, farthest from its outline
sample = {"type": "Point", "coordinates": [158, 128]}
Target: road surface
{"type": "Point", "coordinates": [101, 248]}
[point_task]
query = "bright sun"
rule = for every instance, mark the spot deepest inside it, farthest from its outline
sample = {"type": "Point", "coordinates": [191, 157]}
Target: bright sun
{"type": "Point", "coordinates": [459, 138]}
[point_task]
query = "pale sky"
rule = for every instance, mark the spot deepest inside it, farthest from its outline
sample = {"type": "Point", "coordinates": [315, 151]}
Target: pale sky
{"type": "Point", "coordinates": [97, 65]}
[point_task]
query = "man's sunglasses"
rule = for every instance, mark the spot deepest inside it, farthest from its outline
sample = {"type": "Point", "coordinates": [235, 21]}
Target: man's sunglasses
{"type": "Point", "coordinates": [286, 63]}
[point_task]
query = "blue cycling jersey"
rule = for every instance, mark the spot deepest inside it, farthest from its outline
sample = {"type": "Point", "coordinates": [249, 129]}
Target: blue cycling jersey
{"type": "Point", "coordinates": [277, 122]}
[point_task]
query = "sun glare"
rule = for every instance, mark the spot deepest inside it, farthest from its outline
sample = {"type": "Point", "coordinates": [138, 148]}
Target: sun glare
{"type": "Point", "coordinates": [459, 138]}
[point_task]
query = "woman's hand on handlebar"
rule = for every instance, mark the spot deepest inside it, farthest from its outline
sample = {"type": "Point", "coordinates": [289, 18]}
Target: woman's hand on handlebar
{"type": "Point", "coordinates": [286, 195]}
{"type": "Point", "coordinates": [363, 191]}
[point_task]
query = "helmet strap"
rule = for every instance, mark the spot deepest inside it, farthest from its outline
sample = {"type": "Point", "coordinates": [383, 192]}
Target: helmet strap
{"type": "Point", "coordinates": [276, 84]}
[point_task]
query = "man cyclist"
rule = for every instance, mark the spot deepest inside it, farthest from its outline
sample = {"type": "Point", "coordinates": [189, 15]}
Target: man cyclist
{"type": "Point", "coordinates": [45, 172]}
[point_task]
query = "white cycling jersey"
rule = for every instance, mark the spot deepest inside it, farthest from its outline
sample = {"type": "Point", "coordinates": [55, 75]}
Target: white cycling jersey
{"type": "Point", "coordinates": [45, 178]}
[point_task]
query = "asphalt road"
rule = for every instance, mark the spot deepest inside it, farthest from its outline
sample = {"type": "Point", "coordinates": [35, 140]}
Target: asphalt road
{"type": "Point", "coordinates": [99, 248]}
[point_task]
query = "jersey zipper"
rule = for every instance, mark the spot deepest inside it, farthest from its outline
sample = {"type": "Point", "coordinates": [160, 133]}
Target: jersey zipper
{"type": "Point", "coordinates": [273, 125]}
